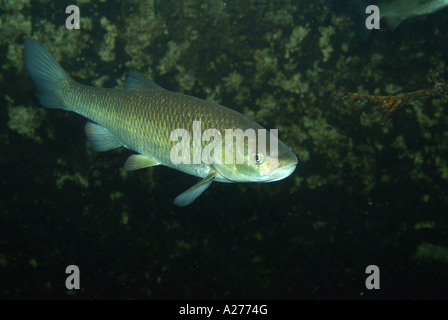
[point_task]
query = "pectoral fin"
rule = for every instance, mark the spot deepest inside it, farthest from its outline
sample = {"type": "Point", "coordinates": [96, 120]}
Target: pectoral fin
{"type": "Point", "coordinates": [187, 197]}
{"type": "Point", "coordinates": [139, 161]}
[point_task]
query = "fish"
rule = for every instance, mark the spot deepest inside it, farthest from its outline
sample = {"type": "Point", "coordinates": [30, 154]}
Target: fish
{"type": "Point", "coordinates": [162, 126]}
{"type": "Point", "coordinates": [392, 13]}
{"type": "Point", "coordinates": [396, 11]}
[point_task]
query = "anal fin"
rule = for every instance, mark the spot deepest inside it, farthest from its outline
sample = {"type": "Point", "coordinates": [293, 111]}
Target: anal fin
{"type": "Point", "coordinates": [100, 138]}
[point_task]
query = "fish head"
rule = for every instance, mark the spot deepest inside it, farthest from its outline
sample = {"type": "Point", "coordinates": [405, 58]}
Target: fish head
{"type": "Point", "coordinates": [260, 158]}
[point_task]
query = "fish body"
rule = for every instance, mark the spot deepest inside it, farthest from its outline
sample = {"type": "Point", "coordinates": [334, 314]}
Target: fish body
{"type": "Point", "coordinates": [396, 11]}
{"type": "Point", "coordinates": [143, 117]}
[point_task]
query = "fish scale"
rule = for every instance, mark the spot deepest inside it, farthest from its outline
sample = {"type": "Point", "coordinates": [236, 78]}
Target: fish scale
{"type": "Point", "coordinates": [143, 121]}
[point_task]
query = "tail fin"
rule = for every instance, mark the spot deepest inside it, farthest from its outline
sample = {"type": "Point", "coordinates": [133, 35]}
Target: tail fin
{"type": "Point", "coordinates": [45, 72]}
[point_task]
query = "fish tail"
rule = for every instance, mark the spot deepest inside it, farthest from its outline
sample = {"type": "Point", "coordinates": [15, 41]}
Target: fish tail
{"type": "Point", "coordinates": [46, 74]}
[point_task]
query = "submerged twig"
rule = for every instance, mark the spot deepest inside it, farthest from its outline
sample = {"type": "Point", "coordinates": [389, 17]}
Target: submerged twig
{"type": "Point", "coordinates": [391, 103]}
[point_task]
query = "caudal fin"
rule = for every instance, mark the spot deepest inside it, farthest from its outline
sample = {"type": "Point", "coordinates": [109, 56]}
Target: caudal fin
{"type": "Point", "coordinates": [45, 72]}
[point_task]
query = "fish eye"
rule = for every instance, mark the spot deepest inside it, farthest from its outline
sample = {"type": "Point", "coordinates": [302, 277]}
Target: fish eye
{"type": "Point", "coordinates": [258, 157]}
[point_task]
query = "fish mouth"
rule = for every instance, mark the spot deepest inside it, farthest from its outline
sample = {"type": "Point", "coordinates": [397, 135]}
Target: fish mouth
{"type": "Point", "coordinates": [284, 172]}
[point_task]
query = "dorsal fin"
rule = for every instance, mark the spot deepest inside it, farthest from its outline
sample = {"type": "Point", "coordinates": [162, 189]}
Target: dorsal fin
{"type": "Point", "coordinates": [137, 81]}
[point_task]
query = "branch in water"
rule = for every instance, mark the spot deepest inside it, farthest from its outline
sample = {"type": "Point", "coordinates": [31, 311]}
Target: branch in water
{"type": "Point", "coordinates": [391, 103]}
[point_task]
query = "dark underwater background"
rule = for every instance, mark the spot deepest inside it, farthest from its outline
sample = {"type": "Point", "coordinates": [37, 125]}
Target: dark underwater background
{"type": "Point", "coordinates": [363, 193]}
